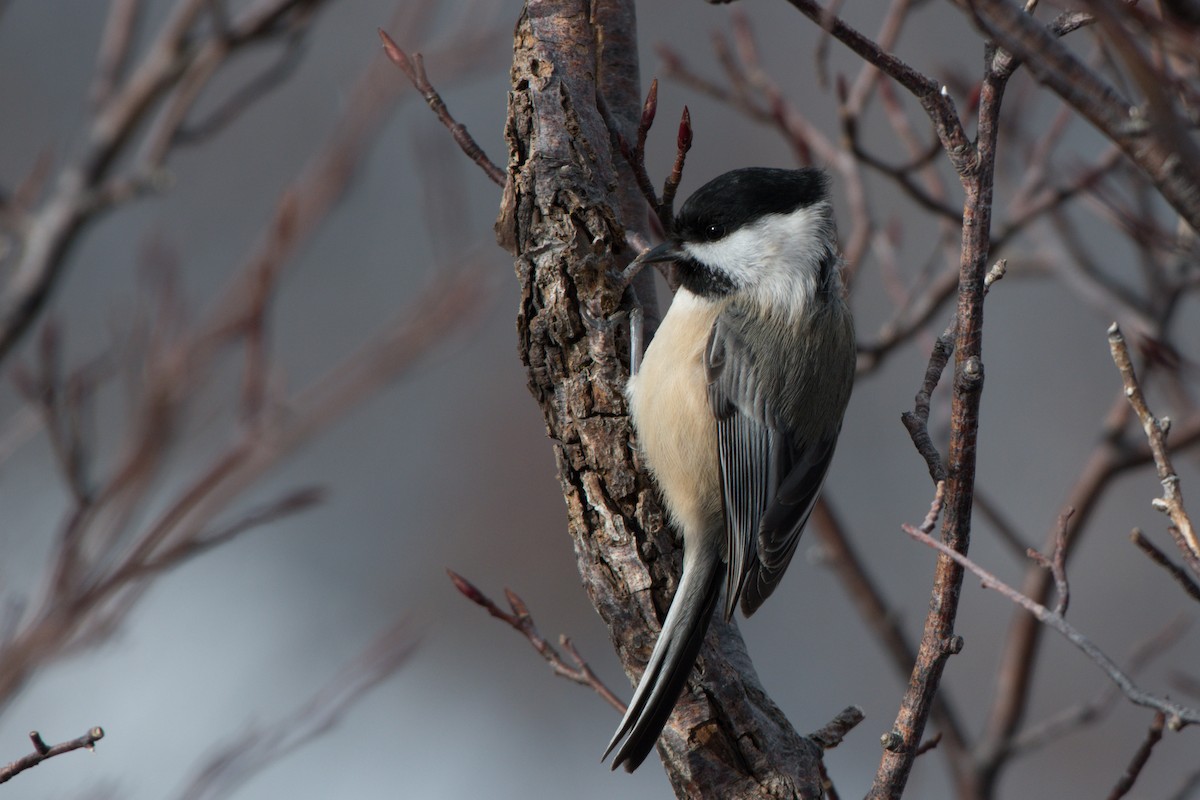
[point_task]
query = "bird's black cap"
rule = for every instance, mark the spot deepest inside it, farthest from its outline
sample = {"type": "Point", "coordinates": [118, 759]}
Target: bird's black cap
{"type": "Point", "coordinates": [742, 196]}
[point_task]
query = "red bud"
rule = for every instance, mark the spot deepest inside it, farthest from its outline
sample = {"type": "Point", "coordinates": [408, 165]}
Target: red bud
{"type": "Point", "coordinates": [684, 141]}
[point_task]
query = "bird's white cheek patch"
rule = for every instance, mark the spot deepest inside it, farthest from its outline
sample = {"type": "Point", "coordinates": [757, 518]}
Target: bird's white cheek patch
{"type": "Point", "coordinates": [776, 257]}
{"type": "Point", "coordinates": [736, 255]}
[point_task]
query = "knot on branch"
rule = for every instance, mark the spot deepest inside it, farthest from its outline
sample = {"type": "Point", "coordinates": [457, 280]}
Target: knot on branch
{"type": "Point", "coordinates": [970, 375]}
{"type": "Point", "coordinates": [953, 645]}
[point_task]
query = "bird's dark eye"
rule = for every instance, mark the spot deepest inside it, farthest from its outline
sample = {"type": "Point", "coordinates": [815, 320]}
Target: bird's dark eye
{"type": "Point", "coordinates": [714, 232]}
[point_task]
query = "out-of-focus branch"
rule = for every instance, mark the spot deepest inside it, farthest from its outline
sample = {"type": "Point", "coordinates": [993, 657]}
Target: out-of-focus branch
{"type": "Point", "coordinates": [179, 61]}
{"type": "Point", "coordinates": [108, 549]}
{"type": "Point", "coordinates": [141, 107]}
{"type": "Point", "coordinates": [232, 764]}
{"type": "Point", "coordinates": [933, 98]}
{"type": "Point", "coordinates": [115, 46]}
{"type": "Point", "coordinates": [43, 751]}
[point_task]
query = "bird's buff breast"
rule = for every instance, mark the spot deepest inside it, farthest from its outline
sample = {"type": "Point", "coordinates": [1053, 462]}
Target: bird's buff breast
{"type": "Point", "coordinates": [669, 405]}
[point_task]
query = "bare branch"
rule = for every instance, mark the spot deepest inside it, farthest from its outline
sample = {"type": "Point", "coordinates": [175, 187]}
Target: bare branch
{"type": "Point", "coordinates": [521, 621]}
{"type": "Point", "coordinates": [1057, 563]}
{"type": "Point", "coordinates": [1171, 502]}
{"type": "Point", "coordinates": [937, 103]}
{"type": "Point", "coordinates": [43, 751]}
{"type": "Point", "coordinates": [414, 68]}
{"type": "Point", "coordinates": [108, 550]}
{"type": "Point", "coordinates": [1170, 167]}
{"type": "Point", "coordinates": [1058, 725]}
{"type": "Point", "coordinates": [178, 62]}
{"type": "Point", "coordinates": [1177, 715]}
{"type": "Point", "coordinates": [1159, 557]}
{"type": "Point", "coordinates": [683, 143]}
{"type": "Point", "coordinates": [832, 734]}
{"type": "Point", "coordinates": [840, 555]}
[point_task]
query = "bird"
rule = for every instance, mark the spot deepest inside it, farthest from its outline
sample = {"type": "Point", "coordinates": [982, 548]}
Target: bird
{"type": "Point", "coordinates": [737, 406]}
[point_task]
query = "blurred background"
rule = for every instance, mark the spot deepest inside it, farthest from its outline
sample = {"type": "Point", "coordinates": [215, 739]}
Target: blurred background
{"type": "Point", "coordinates": [449, 465]}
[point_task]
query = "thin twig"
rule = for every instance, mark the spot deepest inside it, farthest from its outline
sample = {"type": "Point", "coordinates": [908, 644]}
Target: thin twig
{"type": "Point", "coordinates": [683, 143]}
{"type": "Point", "coordinates": [1057, 563]}
{"type": "Point", "coordinates": [142, 110]}
{"type": "Point", "coordinates": [1159, 557]}
{"type": "Point", "coordinates": [113, 55]}
{"type": "Point", "coordinates": [1055, 727]}
{"type": "Point", "coordinates": [1156, 430]}
{"type": "Point", "coordinates": [929, 744]}
{"type": "Point", "coordinates": [877, 612]}
{"type": "Point", "coordinates": [43, 751]}
{"type": "Point", "coordinates": [520, 620]}
{"type": "Point", "coordinates": [832, 734]}
{"type": "Point", "coordinates": [1177, 715]}
{"type": "Point", "coordinates": [917, 420]}
{"type": "Point", "coordinates": [414, 68]}
{"type": "Point", "coordinates": [635, 155]}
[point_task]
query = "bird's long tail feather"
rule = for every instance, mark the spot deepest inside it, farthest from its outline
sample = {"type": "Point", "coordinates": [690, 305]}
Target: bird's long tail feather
{"type": "Point", "coordinates": [671, 660]}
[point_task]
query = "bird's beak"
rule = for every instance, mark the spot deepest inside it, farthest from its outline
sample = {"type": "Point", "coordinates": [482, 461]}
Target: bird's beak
{"type": "Point", "coordinates": [667, 251]}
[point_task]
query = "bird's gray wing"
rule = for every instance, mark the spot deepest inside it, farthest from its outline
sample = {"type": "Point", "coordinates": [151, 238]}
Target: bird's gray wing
{"type": "Point", "coordinates": [770, 477]}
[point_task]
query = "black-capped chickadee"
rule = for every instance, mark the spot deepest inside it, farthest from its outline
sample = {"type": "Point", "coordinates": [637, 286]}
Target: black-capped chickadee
{"type": "Point", "coordinates": [738, 405]}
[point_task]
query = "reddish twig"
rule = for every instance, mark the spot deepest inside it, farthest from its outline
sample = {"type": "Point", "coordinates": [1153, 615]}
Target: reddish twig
{"type": "Point", "coordinates": [635, 155]}
{"type": "Point", "coordinates": [43, 751]}
{"type": "Point", "coordinates": [683, 143]}
{"type": "Point", "coordinates": [649, 110]}
{"type": "Point", "coordinates": [520, 620]}
{"type": "Point", "coordinates": [414, 68]}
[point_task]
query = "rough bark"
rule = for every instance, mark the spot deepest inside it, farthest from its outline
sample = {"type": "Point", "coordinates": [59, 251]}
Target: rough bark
{"type": "Point", "coordinates": [563, 216]}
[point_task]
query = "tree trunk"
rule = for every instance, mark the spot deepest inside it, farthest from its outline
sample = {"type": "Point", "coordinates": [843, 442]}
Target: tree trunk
{"type": "Point", "coordinates": [567, 204]}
